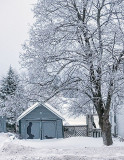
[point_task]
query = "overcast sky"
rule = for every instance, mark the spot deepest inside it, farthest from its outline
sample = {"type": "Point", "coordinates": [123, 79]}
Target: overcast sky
{"type": "Point", "coordinates": [16, 18]}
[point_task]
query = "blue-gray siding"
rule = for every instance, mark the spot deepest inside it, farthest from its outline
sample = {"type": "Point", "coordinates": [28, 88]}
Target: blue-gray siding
{"type": "Point", "coordinates": [2, 124]}
{"type": "Point", "coordinates": [44, 123]}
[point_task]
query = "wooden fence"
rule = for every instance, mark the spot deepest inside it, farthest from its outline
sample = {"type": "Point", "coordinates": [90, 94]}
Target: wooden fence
{"type": "Point", "coordinates": [96, 133]}
{"type": "Point", "coordinates": [75, 131]}
{"type": "Point", "coordinates": [78, 131]}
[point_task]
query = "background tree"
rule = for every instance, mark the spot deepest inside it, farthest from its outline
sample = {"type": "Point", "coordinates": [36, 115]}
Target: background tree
{"type": "Point", "coordinates": [9, 84]}
{"type": "Point", "coordinates": [80, 43]}
{"type": "Point", "coordinates": [12, 96]}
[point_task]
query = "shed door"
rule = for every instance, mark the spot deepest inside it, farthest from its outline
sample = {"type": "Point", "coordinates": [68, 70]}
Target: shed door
{"type": "Point", "coordinates": [33, 130]}
{"type": "Point", "coordinates": [48, 129]}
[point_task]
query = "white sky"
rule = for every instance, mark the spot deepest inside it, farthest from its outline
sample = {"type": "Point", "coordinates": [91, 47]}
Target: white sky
{"type": "Point", "coordinates": [16, 18]}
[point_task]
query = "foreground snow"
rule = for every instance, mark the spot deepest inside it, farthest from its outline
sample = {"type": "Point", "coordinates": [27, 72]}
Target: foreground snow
{"type": "Point", "coordinates": [78, 148]}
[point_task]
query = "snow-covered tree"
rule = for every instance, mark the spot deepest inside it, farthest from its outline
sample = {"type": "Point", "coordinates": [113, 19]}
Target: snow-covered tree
{"type": "Point", "coordinates": [9, 83]}
{"type": "Point", "coordinates": [13, 99]}
{"type": "Point", "coordinates": [77, 46]}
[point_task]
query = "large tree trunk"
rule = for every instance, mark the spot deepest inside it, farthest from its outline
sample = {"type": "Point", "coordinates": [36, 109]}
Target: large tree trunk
{"type": "Point", "coordinates": [106, 130]}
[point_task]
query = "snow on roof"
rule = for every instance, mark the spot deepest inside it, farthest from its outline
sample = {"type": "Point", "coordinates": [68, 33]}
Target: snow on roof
{"type": "Point", "coordinates": [74, 121]}
{"type": "Point", "coordinates": [79, 121]}
{"type": "Point", "coordinates": [46, 105]}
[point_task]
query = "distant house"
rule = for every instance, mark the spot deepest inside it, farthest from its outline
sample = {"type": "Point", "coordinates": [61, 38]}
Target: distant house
{"type": "Point", "coordinates": [117, 121]}
{"type": "Point", "coordinates": [2, 124]}
{"type": "Point", "coordinates": [40, 121]}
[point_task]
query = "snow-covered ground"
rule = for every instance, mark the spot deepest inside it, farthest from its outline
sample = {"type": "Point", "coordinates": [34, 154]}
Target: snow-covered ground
{"type": "Point", "coordinates": [78, 148]}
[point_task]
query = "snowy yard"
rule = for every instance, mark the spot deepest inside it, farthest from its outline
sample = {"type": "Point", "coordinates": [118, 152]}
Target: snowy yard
{"type": "Point", "coordinates": [79, 148]}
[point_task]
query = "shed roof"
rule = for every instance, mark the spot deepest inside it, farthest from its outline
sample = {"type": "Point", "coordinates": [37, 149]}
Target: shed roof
{"type": "Point", "coordinates": [46, 105]}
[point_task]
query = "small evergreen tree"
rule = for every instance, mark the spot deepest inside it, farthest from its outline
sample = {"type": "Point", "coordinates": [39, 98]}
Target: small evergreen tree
{"type": "Point", "coordinates": [12, 96]}
{"type": "Point", "coordinates": [9, 84]}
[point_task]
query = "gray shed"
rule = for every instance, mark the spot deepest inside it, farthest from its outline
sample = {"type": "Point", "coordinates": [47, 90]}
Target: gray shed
{"type": "Point", "coordinates": [2, 124]}
{"type": "Point", "coordinates": [40, 121]}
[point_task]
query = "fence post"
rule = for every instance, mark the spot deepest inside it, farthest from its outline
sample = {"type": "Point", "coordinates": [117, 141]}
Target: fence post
{"type": "Point", "coordinates": [89, 121]}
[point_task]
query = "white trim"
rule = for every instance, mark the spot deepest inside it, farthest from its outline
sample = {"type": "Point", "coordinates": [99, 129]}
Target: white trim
{"type": "Point", "coordinates": [27, 111]}
{"type": "Point", "coordinates": [46, 105]}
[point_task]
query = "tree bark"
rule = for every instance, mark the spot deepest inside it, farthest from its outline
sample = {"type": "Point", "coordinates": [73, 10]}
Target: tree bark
{"type": "Point", "coordinates": [106, 130]}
